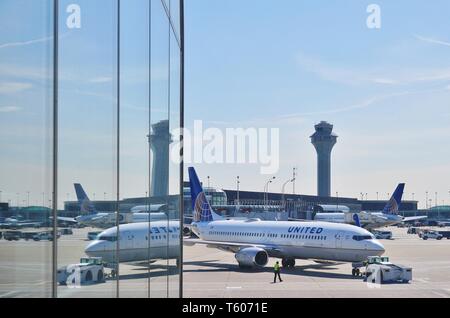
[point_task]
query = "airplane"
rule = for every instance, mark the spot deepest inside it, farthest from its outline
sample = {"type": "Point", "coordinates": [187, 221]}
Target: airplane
{"type": "Point", "coordinates": [15, 223]}
{"type": "Point", "coordinates": [91, 217]}
{"type": "Point", "coordinates": [372, 220]}
{"type": "Point", "coordinates": [139, 242]}
{"type": "Point", "coordinates": [253, 241]}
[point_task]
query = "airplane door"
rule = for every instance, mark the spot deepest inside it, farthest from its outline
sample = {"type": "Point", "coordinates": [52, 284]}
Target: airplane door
{"type": "Point", "coordinates": [340, 236]}
{"type": "Point", "coordinates": [127, 240]}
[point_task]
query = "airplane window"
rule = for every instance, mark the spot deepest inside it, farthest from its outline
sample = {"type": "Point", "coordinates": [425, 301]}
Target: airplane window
{"type": "Point", "coordinates": [361, 237]}
{"type": "Point", "coordinates": [107, 238]}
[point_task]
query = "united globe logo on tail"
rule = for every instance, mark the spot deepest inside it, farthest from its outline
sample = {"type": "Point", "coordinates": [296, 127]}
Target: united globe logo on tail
{"type": "Point", "coordinates": [200, 205]}
{"type": "Point", "coordinates": [202, 209]}
{"type": "Point", "coordinates": [393, 205]}
{"type": "Point", "coordinates": [86, 205]}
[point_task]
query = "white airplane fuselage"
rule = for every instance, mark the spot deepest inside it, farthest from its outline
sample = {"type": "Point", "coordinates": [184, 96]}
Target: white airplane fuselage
{"type": "Point", "coordinates": [105, 220]}
{"type": "Point", "coordinates": [371, 220]}
{"type": "Point", "coordinates": [298, 240]}
{"type": "Point", "coordinates": [138, 242]}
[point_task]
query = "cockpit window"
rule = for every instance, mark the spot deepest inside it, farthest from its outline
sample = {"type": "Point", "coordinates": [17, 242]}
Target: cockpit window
{"type": "Point", "coordinates": [362, 237]}
{"type": "Point", "coordinates": [108, 238]}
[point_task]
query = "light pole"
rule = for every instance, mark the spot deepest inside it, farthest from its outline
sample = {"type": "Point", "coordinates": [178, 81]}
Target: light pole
{"type": "Point", "coordinates": [237, 188]}
{"type": "Point", "coordinates": [337, 201]}
{"type": "Point", "coordinates": [282, 191]}
{"type": "Point", "coordinates": [294, 178]}
{"type": "Point", "coordinates": [266, 190]}
{"type": "Point", "coordinates": [28, 198]}
{"type": "Point", "coordinates": [436, 199]}
{"type": "Point", "coordinates": [208, 182]}
{"type": "Point", "coordinates": [104, 196]}
{"type": "Point", "coordinates": [377, 195]}
{"type": "Point", "coordinates": [426, 200]}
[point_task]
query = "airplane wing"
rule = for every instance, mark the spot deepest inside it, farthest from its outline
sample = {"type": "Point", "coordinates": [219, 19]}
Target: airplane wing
{"type": "Point", "coordinates": [413, 218]}
{"type": "Point", "coordinates": [234, 246]}
{"type": "Point", "coordinates": [64, 219]}
{"type": "Point", "coordinates": [298, 220]}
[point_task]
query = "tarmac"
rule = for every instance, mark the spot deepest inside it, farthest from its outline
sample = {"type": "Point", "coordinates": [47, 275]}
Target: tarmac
{"type": "Point", "coordinates": [25, 271]}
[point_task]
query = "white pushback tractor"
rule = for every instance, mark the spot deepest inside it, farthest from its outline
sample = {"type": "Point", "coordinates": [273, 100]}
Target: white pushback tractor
{"type": "Point", "coordinates": [89, 270]}
{"type": "Point", "coordinates": [380, 270]}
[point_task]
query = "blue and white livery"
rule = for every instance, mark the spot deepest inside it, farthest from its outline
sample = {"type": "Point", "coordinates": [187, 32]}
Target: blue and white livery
{"type": "Point", "coordinates": [253, 241]}
{"type": "Point", "coordinates": [372, 220]}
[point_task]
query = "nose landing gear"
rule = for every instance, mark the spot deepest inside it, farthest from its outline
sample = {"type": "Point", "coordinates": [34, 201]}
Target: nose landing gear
{"type": "Point", "coordinates": [356, 272]}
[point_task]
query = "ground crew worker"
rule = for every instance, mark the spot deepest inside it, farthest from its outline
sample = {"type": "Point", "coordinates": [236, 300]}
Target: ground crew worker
{"type": "Point", "coordinates": [277, 270]}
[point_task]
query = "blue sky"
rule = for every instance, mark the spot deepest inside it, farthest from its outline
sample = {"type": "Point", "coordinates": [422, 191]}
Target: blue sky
{"type": "Point", "coordinates": [291, 64]}
{"type": "Point", "coordinates": [255, 63]}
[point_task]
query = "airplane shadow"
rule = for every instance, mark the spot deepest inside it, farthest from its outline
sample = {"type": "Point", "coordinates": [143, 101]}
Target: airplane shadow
{"type": "Point", "coordinates": [309, 270]}
{"type": "Point", "coordinates": [155, 271]}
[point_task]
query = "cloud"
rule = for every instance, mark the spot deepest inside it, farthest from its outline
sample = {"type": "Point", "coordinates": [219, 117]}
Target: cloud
{"type": "Point", "coordinates": [25, 72]}
{"type": "Point", "coordinates": [23, 43]}
{"type": "Point", "coordinates": [9, 109]}
{"type": "Point", "coordinates": [361, 105]}
{"type": "Point", "coordinates": [388, 76]}
{"type": "Point", "coordinates": [13, 87]}
{"type": "Point", "coordinates": [101, 80]}
{"type": "Point", "coordinates": [431, 40]}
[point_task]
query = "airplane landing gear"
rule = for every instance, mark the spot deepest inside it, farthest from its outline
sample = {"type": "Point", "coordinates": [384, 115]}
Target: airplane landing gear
{"type": "Point", "coordinates": [356, 272]}
{"type": "Point", "coordinates": [288, 262]}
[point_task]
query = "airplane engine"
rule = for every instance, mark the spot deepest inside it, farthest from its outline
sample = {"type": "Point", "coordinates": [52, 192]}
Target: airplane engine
{"type": "Point", "coordinates": [186, 231]}
{"type": "Point", "coordinates": [251, 257]}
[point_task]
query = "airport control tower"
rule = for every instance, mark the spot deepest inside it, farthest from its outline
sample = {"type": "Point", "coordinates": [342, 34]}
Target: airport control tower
{"type": "Point", "coordinates": [324, 140]}
{"type": "Point", "coordinates": [160, 140]}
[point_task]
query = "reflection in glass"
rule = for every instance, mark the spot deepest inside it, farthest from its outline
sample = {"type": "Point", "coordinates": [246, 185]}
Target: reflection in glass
{"type": "Point", "coordinates": [102, 139]}
{"type": "Point", "coordinates": [26, 107]}
{"type": "Point", "coordinates": [87, 178]}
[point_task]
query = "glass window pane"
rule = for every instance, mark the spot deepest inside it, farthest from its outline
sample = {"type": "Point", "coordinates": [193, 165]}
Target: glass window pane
{"type": "Point", "coordinates": [135, 153]}
{"type": "Point", "coordinates": [88, 144]}
{"type": "Point", "coordinates": [159, 138]}
{"type": "Point", "coordinates": [26, 108]}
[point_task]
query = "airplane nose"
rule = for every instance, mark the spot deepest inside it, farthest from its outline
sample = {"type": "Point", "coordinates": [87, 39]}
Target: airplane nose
{"type": "Point", "coordinates": [378, 247]}
{"type": "Point", "coordinates": [93, 248]}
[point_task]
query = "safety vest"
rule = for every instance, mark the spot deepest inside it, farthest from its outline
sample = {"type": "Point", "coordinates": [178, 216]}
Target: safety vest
{"type": "Point", "coordinates": [276, 267]}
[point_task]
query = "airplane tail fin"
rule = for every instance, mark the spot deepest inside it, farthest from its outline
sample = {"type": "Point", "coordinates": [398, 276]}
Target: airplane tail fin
{"type": "Point", "coordinates": [356, 220]}
{"type": "Point", "coordinates": [200, 205]}
{"type": "Point", "coordinates": [394, 203]}
{"type": "Point", "coordinates": [86, 205]}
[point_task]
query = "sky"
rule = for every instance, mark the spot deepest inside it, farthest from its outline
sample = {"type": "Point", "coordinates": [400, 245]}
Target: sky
{"type": "Point", "coordinates": [249, 64]}
{"type": "Point", "coordinates": [292, 64]}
